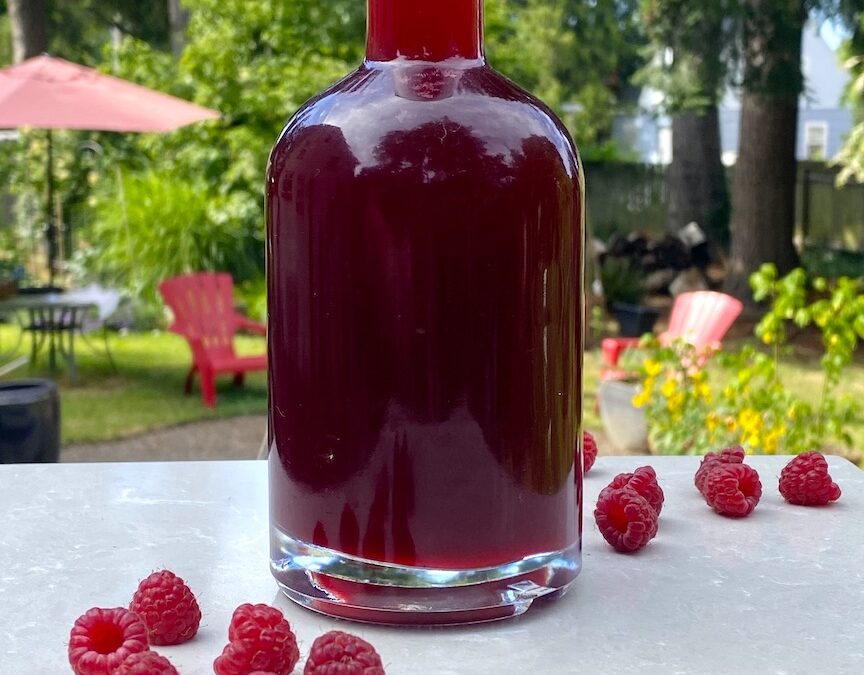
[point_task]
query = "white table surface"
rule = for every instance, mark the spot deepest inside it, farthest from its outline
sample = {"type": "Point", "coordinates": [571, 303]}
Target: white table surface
{"type": "Point", "coordinates": [779, 592]}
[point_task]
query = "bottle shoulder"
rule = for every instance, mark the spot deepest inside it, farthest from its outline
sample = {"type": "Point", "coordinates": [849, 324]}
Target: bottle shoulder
{"type": "Point", "coordinates": [382, 109]}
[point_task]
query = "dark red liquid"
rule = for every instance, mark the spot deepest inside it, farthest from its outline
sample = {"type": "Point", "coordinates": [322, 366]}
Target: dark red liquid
{"type": "Point", "coordinates": [424, 248]}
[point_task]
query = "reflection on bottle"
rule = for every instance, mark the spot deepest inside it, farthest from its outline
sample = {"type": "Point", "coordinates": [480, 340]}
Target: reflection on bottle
{"type": "Point", "coordinates": [375, 539]}
{"type": "Point", "coordinates": [349, 532]}
{"type": "Point", "coordinates": [319, 536]}
{"type": "Point", "coordinates": [403, 502]}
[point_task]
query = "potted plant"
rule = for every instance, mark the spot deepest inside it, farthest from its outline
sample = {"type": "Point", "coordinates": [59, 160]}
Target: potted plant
{"type": "Point", "coordinates": [624, 291]}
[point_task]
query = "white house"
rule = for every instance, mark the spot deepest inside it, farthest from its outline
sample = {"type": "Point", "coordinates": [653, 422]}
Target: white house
{"type": "Point", "coordinates": [824, 119]}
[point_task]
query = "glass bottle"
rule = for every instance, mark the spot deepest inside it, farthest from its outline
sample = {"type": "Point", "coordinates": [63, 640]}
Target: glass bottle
{"type": "Point", "coordinates": [424, 243]}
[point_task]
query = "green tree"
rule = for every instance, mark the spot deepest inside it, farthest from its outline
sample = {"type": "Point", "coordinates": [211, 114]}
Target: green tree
{"type": "Point", "coordinates": [690, 44]}
{"type": "Point", "coordinates": [544, 46]}
{"type": "Point", "coordinates": [275, 63]}
{"type": "Point", "coordinates": [851, 156]}
{"type": "Point", "coordinates": [763, 193]}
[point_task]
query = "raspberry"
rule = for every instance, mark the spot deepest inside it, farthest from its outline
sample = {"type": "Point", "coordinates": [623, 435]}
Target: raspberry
{"type": "Point", "coordinates": [733, 489]}
{"type": "Point", "coordinates": [168, 608]}
{"type": "Point", "coordinates": [625, 518]}
{"type": "Point", "coordinates": [338, 653]}
{"type": "Point", "coordinates": [644, 481]}
{"type": "Point", "coordinates": [733, 455]}
{"type": "Point", "coordinates": [259, 638]}
{"type": "Point", "coordinates": [805, 481]}
{"type": "Point", "coordinates": [146, 663]}
{"type": "Point", "coordinates": [589, 451]}
{"type": "Point", "coordinates": [102, 639]}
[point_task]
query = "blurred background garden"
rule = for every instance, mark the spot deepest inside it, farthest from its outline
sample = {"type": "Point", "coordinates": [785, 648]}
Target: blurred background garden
{"type": "Point", "coordinates": [723, 143]}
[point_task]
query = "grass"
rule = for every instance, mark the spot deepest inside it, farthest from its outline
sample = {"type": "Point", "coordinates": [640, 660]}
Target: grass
{"type": "Point", "coordinates": [146, 391]}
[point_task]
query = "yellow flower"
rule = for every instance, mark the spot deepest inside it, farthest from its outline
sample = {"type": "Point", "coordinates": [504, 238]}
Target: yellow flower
{"type": "Point", "coordinates": [675, 402]}
{"type": "Point", "coordinates": [704, 392]}
{"type": "Point", "coordinates": [669, 387]}
{"type": "Point", "coordinates": [652, 368]}
{"type": "Point", "coordinates": [750, 421]}
{"type": "Point", "coordinates": [728, 392]}
{"type": "Point", "coordinates": [767, 337]}
{"type": "Point", "coordinates": [772, 439]}
{"type": "Point", "coordinates": [641, 399]}
{"type": "Point", "coordinates": [712, 421]}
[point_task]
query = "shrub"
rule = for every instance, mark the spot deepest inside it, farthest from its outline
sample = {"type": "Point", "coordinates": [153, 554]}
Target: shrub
{"type": "Point", "coordinates": [691, 409]}
{"type": "Point", "coordinates": [155, 225]}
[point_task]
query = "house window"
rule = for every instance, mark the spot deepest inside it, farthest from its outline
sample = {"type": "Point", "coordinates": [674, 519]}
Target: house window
{"type": "Point", "coordinates": [816, 141]}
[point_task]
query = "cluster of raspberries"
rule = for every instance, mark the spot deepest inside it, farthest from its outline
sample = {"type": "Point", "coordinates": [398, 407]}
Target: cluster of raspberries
{"type": "Point", "coordinates": [628, 509]}
{"type": "Point", "coordinates": [164, 611]}
{"type": "Point", "coordinates": [732, 488]}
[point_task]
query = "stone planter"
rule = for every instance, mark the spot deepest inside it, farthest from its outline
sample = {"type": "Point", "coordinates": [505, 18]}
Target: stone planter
{"type": "Point", "coordinates": [624, 424]}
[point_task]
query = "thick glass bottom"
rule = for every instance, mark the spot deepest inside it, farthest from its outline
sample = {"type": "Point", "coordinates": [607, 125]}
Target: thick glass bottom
{"type": "Point", "coordinates": [354, 588]}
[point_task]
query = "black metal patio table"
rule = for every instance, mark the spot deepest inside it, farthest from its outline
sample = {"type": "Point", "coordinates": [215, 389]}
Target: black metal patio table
{"type": "Point", "coordinates": [52, 321]}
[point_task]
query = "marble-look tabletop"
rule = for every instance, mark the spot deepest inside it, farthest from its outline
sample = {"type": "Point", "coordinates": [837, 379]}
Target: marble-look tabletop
{"type": "Point", "coordinates": [781, 591]}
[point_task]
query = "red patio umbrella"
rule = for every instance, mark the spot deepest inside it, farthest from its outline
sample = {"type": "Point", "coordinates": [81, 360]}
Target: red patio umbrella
{"type": "Point", "coordinates": [49, 93]}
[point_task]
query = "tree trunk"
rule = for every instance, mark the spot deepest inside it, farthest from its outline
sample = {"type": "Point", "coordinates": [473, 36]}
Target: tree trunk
{"type": "Point", "coordinates": [178, 18]}
{"type": "Point", "coordinates": [696, 181]}
{"type": "Point", "coordinates": [29, 28]}
{"type": "Point", "coordinates": [763, 194]}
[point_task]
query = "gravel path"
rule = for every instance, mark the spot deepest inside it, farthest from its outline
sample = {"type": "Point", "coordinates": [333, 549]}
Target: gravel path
{"type": "Point", "coordinates": [236, 438]}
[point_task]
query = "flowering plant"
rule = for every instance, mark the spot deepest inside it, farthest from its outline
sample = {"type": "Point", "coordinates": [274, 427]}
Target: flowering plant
{"type": "Point", "coordinates": [693, 405]}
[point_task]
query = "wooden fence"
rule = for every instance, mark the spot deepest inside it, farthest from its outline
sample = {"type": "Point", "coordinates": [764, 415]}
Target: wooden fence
{"type": "Point", "coordinates": [623, 197]}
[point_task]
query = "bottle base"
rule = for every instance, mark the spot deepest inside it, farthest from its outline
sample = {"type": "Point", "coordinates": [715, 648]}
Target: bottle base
{"type": "Point", "coordinates": [349, 587]}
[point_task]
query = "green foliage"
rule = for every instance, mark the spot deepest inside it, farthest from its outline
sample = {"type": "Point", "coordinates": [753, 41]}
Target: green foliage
{"type": "Point", "coordinates": [691, 42]}
{"type": "Point", "coordinates": [688, 412]}
{"type": "Point", "coordinates": [78, 28]}
{"type": "Point", "coordinates": [544, 45]}
{"type": "Point", "coordinates": [622, 281]}
{"type": "Point", "coordinates": [160, 225]}
{"type": "Point", "coordinates": [851, 157]}
{"type": "Point", "coordinates": [194, 198]}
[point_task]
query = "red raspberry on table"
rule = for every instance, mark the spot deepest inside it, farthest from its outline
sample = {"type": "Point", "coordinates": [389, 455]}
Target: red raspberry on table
{"type": "Point", "coordinates": [146, 663]}
{"type": "Point", "coordinates": [259, 638]}
{"type": "Point", "coordinates": [589, 452]}
{"type": "Point", "coordinates": [733, 455]}
{"type": "Point", "coordinates": [102, 639]}
{"type": "Point", "coordinates": [168, 608]}
{"type": "Point", "coordinates": [338, 653]}
{"type": "Point", "coordinates": [625, 518]}
{"type": "Point", "coordinates": [644, 481]}
{"type": "Point", "coordinates": [805, 481]}
{"type": "Point", "coordinates": [733, 489]}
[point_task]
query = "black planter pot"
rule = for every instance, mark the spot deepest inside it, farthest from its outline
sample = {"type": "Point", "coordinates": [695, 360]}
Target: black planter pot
{"type": "Point", "coordinates": [29, 421]}
{"type": "Point", "coordinates": [634, 320]}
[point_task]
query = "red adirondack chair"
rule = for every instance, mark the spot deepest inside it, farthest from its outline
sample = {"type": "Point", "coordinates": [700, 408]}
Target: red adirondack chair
{"type": "Point", "coordinates": [701, 318]}
{"type": "Point", "coordinates": [203, 307]}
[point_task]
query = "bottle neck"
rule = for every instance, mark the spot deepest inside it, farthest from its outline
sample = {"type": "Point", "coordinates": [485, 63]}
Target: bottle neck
{"type": "Point", "coordinates": [424, 30]}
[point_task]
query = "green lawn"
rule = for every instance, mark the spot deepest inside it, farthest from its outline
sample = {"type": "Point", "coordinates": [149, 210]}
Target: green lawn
{"type": "Point", "coordinates": [146, 392]}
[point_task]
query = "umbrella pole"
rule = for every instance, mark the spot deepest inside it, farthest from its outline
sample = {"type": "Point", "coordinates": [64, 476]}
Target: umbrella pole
{"type": "Point", "coordinates": [51, 227]}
